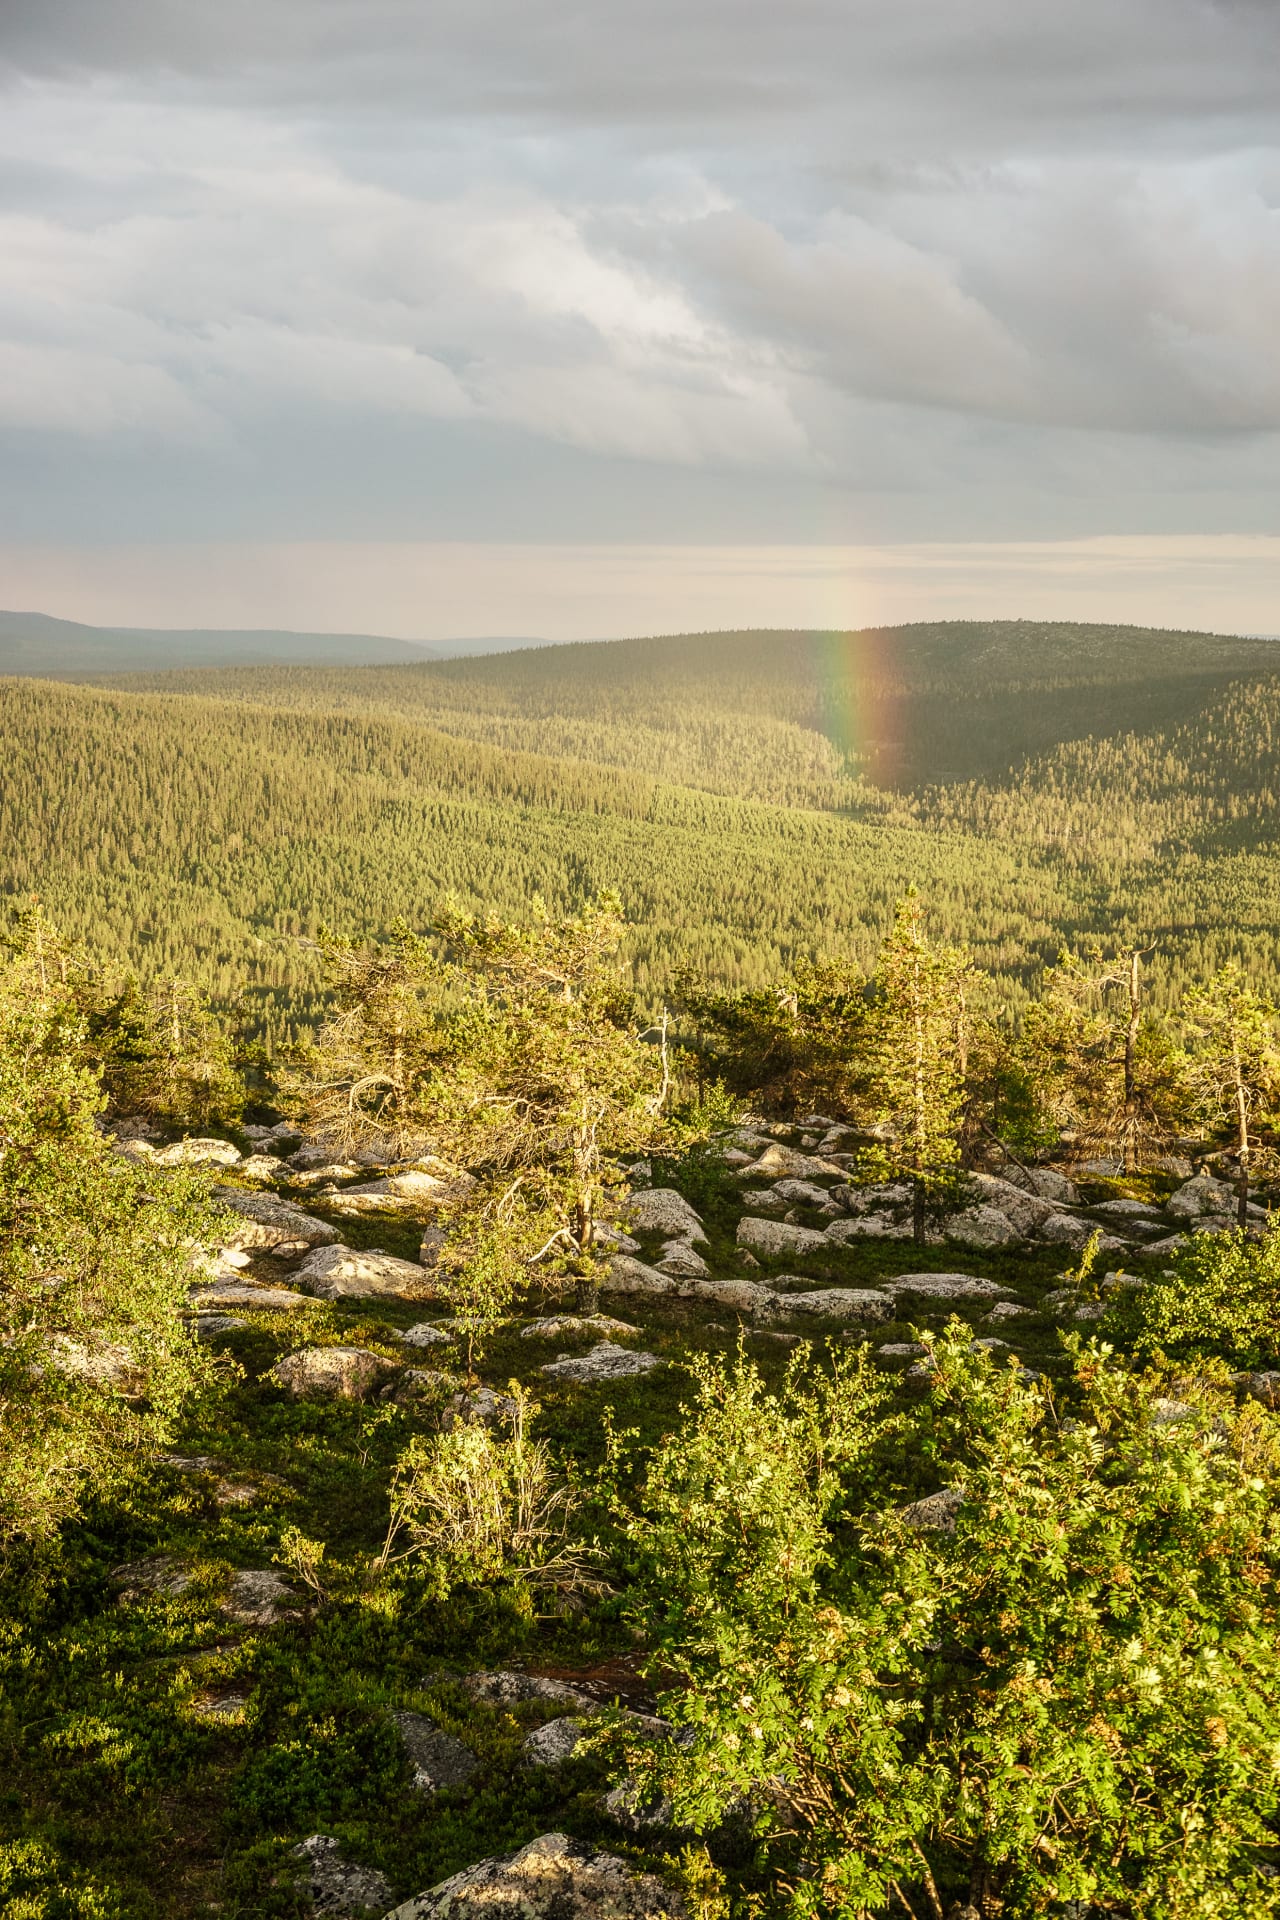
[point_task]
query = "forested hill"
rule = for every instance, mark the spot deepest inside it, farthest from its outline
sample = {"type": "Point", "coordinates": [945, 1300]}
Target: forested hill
{"type": "Point", "coordinates": [214, 836]}
{"type": "Point", "coordinates": [779, 715]}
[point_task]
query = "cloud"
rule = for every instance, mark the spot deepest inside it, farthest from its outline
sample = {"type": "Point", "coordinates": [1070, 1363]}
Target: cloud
{"type": "Point", "coordinates": [843, 265]}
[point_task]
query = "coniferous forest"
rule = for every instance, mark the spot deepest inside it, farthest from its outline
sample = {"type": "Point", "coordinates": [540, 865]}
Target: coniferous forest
{"type": "Point", "coordinates": [653, 1262]}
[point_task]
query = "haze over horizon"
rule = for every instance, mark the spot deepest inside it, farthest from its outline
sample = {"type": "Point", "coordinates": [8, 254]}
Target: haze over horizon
{"type": "Point", "coordinates": [509, 320]}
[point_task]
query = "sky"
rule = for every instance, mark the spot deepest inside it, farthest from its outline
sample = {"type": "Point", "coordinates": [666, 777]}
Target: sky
{"type": "Point", "coordinates": [537, 316]}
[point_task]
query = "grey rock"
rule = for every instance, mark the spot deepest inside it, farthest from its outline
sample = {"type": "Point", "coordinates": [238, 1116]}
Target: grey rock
{"type": "Point", "coordinates": [345, 1273]}
{"type": "Point", "coordinates": [247, 1296]}
{"type": "Point", "coordinates": [261, 1166]}
{"type": "Point", "coordinates": [229, 1707]}
{"type": "Point", "coordinates": [682, 1261]}
{"type": "Point", "coordinates": [1203, 1195]}
{"type": "Point", "coordinates": [506, 1689]}
{"type": "Point", "coordinates": [936, 1513]}
{"type": "Point", "coordinates": [1172, 1243]}
{"type": "Point", "coordinates": [565, 1326]}
{"type": "Point", "coordinates": [842, 1304]}
{"type": "Point", "coordinates": [778, 1162]}
{"type": "Point", "coordinates": [774, 1238]}
{"type": "Point", "coordinates": [803, 1193]}
{"type": "Point", "coordinates": [605, 1362]}
{"type": "Point", "coordinates": [197, 1153]}
{"type": "Point", "coordinates": [625, 1805]}
{"type": "Point", "coordinates": [1127, 1210]}
{"type": "Point", "coordinates": [739, 1296]}
{"type": "Point", "coordinates": [663, 1210]}
{"type": "Point", "coordinates": [1264, 1387]}
{"type": "Point", "coordinates": [868, 1226]}
{"type": "Point", "coordinates": [159, 1573]}
{"type": "Point", "coordinates": [210, 1325]}
{"type": "Point", "coordinates": [257, 1598]}
{"type": "Point", "coordinates": [553, 1878]}
{"type": "Point", "coordinates": [1068, 1230]}
{"type": "Point", "coordinates": [943, 1286]}
{"type": "Point", "coordinates": [1007, 1310]}
{"type": "Point", "coordinates": [420, 1386]}
{"type": "Point", "coordinates": [553, 1743]}
{"type": "Point", "coordinates": [613, 1237]}
{"type": "Point", "coordinates": [1023, 1210]}
{"type": "Point", "coordinates": [763, 1200]}
{"type": "Point", "coordinates": [343, 1373]}
{"type": "Point", "coordinates": [981, 1227]}
{"type": "Point", "coordinates": [1046, 1182]}
{"type": "Point", "coordinates": [271, 1222]}
{"type": "Point", "coordinates": [992, 1344]}
{"type": "Point", "coordinates": [480, 1404]}
{"type": "Point", "coordinates": [339, 1888]}
{"type": "Point", "coordinates": [439, 1760]}
{"type": "Point", "coordinates": [97, 1361]}
{"type": "Point", "coordinates": [414, 1188]}
{"type": "Point", "coordinates": [899, 1350]}
{"type": "Point", "coordinates": [424, 1334]}
{"type": "Point", "coordinates": [628, 1275]}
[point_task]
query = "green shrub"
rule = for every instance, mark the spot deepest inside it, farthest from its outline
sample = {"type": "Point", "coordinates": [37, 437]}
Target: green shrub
{"type": "Point", "coordinates": [1060, 1682]}
{"type": "Point", "coordinates": [1221, 1297]}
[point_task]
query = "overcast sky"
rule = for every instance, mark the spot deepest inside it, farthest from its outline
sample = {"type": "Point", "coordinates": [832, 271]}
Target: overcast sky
{"type": "Point", "coordinates": [308, 304]}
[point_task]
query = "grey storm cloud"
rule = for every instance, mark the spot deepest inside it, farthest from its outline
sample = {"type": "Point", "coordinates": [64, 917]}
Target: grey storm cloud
{"type": "Point", "coordinates": [366, 252]}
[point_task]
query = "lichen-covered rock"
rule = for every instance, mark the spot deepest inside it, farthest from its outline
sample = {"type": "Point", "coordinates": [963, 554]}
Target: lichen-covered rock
{"type": "Point", "coordinates": [1264, 1387]}
{"type": "Point", "coordinates": [271, 1222]}
{"type": "Point", "coordinates": [803, 1193]}
{"type": "Point", "coordinates": [868, 1226]}
{"type": "Point", "coordinates": [605, 1362]}
{"type": "Point", "coordinates": [943, 1286]}
{"type": "Point", "coordinates": [1007, 1310]}
{"type": "Point", "coordinates": [197, 1153]}
{"type": "Point", "coordinates": [1024, 1211]}
{"type": "Point", "coordinates": [1202, 1195]}
{"type": "Point", "coordinates": [683, 1261]}
{"type": "Point", "coordinates": [420, 1387]}
{"type": "Point", "coordinates": [413, 1189]}
{"type": "Point", "coordinates": [244, 1294]}
{"type": "Point", "coordinates": [1067, 1230]}
{"type": "Point", "coordinates": [663, 1210]}
{"type": "Point", "coordinates": [628, 1275]}
{"type": "Point", "coordinates": [899, 1350]}
{"type": "Point", "coordinates": [779, 1162]}
{"type": "Point", "coordinates": [425, 1334]}
{"type": "Point", "coordinates": [980, 1227]}
{"type": "Point", "coordinates": [739, 1296]}
{"type": "Point", "coordinates": [1047, 1182]}
{"type": "Point", "coordinates": [506, 1689]}
{"type": "Point", "coordinates": [775, 1238]}
{"type": "Point", "coordinates": [936, 1513]}
{"type": "Point", "coordinates": [843, 1304]}
{"type": "Point", "coordinates": [482, 1404]}
{"type": "Point", "coordinates": [343, 1373]}
{"type": "Point", "coordinates": [552, 1744]}
{"type": "Point", "coordinates": [257, 1597]}
{"type": "Point", "coordinates": [160, 1573]}
{"type": "Point", "coordinates": [553, 1878]}
{"type": "Point", "coordinates": [347, 1273]}
{"type": "Point", "coordinates": [97, 1361]}
{"type": "Point", "coordinates": [439, 1760]}
{"type": "Point", "coordinates": [566, 1326]}
{"type": "Point", "coordinates": [338, 1888]}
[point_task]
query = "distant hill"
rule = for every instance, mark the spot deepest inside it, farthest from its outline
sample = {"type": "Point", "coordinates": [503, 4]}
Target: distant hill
{"type": "Point", "coordinates": [37, 644]}
{"type": "Point", "coordinates": [775, 715]}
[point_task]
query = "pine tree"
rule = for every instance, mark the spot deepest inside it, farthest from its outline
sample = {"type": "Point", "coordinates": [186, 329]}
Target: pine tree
{"type": "Point", "coordinates": [1234, 1062]}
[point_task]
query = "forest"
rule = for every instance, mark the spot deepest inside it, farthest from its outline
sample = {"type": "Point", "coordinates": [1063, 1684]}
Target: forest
{"type": "Point", "coordinates": [643, 1282]}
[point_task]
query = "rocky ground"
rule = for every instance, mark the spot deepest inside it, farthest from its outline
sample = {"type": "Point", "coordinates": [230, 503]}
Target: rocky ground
{"type": "Point", "coordinates": [281, 1742]}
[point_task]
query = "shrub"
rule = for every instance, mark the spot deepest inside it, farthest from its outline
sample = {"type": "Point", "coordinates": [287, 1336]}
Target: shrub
{"type": "Point", "coordinates": [1221, 1296]}
{"type": "Point", "coordinates": [1055, 1681]}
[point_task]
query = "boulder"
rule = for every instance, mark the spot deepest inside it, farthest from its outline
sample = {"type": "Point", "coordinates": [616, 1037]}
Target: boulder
{"type": "Point", "coordinates": [739, 1296]}
{"type": "Point", "coordinates": [1067, 1230]}
{"type": "Point", "coordinates": [1024, 1211]}
{"type": "Point", "coordinates": [763, 1200]}
{"type": "Point", "coordinates": [420, 1386]}
{"type": "Point", "coordinates": [565, 1326]}
{"type": "Point", "coordinates": [944, 1286]}
{"type": "Point", "coordinates": [1203, 1195]}
{"type": "Point", "coordinates": [257, 1597]}
{"type": "Point", "coordinates": [774, 1238]}
{"type": "Point", "coordinates": [1127, 1210]}
{"type": "Point", "coordinates": [627, 1275]}
{"type": "Point", "coordinates": [1264, 1387]}
{"type": "Point", "coordinates": [343, 1373]}
{"type": "Point", "coordinates": [97, 1361]}
{"type": "Point", "coordinates": [1007, 1310]}
{"type": "Point", "coordinates": [313, 1155]}
{"type": "Point", "coordinates": [439, 1760]}
{"type": "Point", "coordinates": [868, 1226]}
{"type": "Point", "coordinates": [899, 1350]}
{"type": "Point", "coordinates": [261, 1166]}
{"type": "Point", "coordinates": [338, 1888]}
{"type": "Point", "coordinates": [427, 1335]}
{"type": "Point", "coordinates": [160, 1573]}
{"type": "Point", "coordinates": [197, 1153]}
{"type": "Point", "coordinates": [210, 1325]}
{"type": "Point", "coordinates": [784, 1162]}
{"type": "Point", "coordinates": [505, 1689]}
{"type": "Point", "coordinates": [415, 1187]}
{"type": "Point", "coordinates": [268, 1221]}
{"type": "Point", "coordinates": [326, 1176]}
{"type": "Point", "coordinates": [663, 1210]}
{"type": "Point", "coordinates": [553, 1878]}
{"type": "Point", "coordinates": [481, 1405]}
{"type": "Point", "coordinates": [608, 1236]}
{"type": "Point", "coordinates": [803, 1193]}
{"type": "Point", "coordinates": [346, 1273]}
{"type": "Point", "coordinates": [1172, 1243]}
{"type": "Point", "coordinates": [981, 1227]}
{"type": "Point", "coordinates": [1047, 1182]}
{"type": "Point", "coordinates": [681, 1260]}
{"type": "Point", "coordinates": [552, 1744]}
{"type": "Point", "coordinates": [843, 1304]}
{"type": "Point", "coordinates": [246, 1295]}
{"type": "Point", "coordinates": [936, 1513]}
{"type": "Point", "coordinates": [605, 1362]}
